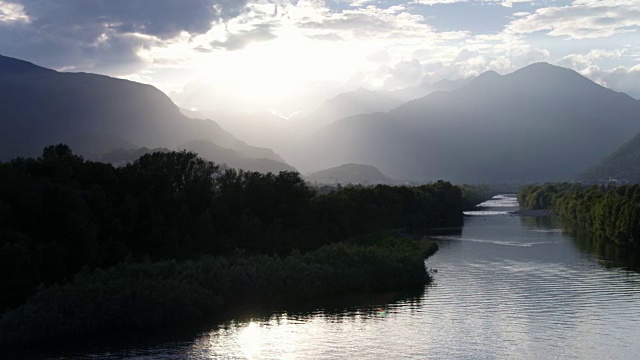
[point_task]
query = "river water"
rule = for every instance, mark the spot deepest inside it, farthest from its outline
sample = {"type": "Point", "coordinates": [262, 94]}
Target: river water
{"type": "Point", "coordinates": [506, 287]}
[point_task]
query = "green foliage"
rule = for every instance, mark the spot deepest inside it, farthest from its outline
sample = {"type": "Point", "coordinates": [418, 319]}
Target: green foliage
{"type": "Point", "coordinates": [60, 214]}
{"type": "Point", "coordinates": [149, 294]}
{"type": "Point", "coordinates": [472, 195]}
{"type": "Point", "coordinates": [608, 214]}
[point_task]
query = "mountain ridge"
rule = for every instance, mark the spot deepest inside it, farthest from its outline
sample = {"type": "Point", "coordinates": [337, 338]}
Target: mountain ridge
{"type": "Point", "coordinates": [350, 173]}
{"type": "Point", "coordinates": [540, 123]}
{"type": "Point", "coordinates": [43, 107]}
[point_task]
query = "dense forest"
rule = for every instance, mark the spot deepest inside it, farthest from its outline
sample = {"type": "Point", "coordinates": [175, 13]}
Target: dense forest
{"type": "Point", "coordinates": [608, 214]}
{"type": "Point", "coordinates": [76, 229]}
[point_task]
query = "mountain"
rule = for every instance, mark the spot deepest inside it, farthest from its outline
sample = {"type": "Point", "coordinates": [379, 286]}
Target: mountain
{"type": "Point", "coordinates": [350, 174]}
{"type": "Point", "coordinates": [416, 92]}
{"type": "Point", "coordinates": [261, 128]}
{"type": "Point", "coordinates": [235, 159]}
{"type": "Point", "coordinates": [360, 101]}
{"type": "Point", "coordinates": [540, 123]}
{"type": "Point", "coordinates": [622, 164]}
{"type": "Point", "coordinates": [96, 113]}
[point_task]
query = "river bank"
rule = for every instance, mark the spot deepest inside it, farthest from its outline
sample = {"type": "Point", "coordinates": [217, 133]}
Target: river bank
{"type": "Point", "coordinates": [532, 213]}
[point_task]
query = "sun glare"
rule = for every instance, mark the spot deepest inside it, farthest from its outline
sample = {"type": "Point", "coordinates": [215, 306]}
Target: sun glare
{"type": "Point", "coordinates": [250, 340]}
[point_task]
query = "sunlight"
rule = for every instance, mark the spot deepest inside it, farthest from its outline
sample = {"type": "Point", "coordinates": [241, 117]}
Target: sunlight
{"type": "Point", "coordinates": [273, 72]}
{"type": "Point", "coordinates": [250, 340]}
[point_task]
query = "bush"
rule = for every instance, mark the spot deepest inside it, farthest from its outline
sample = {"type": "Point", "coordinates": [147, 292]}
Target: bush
{"type": "Point", "coordinates": [151, 294]}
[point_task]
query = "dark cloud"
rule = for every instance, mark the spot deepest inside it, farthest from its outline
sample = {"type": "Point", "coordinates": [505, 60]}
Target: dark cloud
{"type": "Point", "coordinates": [161, 18]}
{"type": "Point", "coordinates": [105, 35]}
{"type": "Point", "coordinates": [238, 41]}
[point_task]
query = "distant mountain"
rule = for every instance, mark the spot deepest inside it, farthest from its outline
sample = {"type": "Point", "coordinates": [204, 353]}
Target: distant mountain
{"type": "Point", "coordinates": [235, 159]}
{"type": "Point", "coordinates": [261, 129]}
{"type": "Point", "coordinates": [363, 101]}
{"type": "Point", "coordinates": [539, 123]}
{"type": "Point", "coordinates": [350, 174]}
{"type": "Point", "coordinates": [416, 92]}
{"type": "Point", "coordinates": [622, 164]}
{"type": "Point", "coordinates": [360, 101]}
{"type": "Point", "coordinates": [95, 114]}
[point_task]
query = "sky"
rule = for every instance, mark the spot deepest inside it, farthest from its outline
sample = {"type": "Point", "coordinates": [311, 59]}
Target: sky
{"type": "Point", "coordinates": [286, 56]}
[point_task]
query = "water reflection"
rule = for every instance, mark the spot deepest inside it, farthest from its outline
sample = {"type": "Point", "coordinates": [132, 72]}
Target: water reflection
{"type": "Point", "coordinates": [607, 254]}
{"type": "Point", "coordinates": [542, 223]}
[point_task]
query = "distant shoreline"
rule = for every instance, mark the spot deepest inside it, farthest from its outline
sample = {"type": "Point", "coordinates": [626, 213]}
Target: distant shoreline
{"type": "Point", "coordinates": [534, 213]}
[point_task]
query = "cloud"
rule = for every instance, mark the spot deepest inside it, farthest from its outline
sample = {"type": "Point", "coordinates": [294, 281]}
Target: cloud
{"type": "Point", "coordinates": [505, 3]}
{"type": "Point", "coordinates": [401, 75]}
{"type": "Point", "coordinates": [619, 78]}
{"type": "Point", "coordinates": [380, 56]}
{"type": "Point", "coordinates": [104, 35]}
{"type": "Point", "coordinates": [326, 37]}
{"type": "Point", "coordinates": [510, 3]}
{"type": "Point", "coordinates": [369, 22]}
{"type": "Point", "coordinates": [358, 3]}
{"type": "Point", "coordinates": [625, 79]}
{"type": "Point", "coordinates": [437, 2]}
{"type": "Point", "coordinates": [12, 12]}
{"type": "Point", "coordinates": [240, 40]}
{"type": "Point", "coordinates": [160, 18]}
{"type": "Point", "coordinates": [583, 19]}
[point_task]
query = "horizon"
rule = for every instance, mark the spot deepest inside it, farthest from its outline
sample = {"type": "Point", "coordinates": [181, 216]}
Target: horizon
{"type": "Point", "coordinates": [287, 57]}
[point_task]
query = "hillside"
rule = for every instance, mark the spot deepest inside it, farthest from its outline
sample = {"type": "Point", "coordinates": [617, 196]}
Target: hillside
{"type": "Point", "coordinates": [95, 114]}
{"type": "Point", "coordinates": [360, 101]}
{"type": "Point", "coordinates": [350, 174]}
{"type": "Point", "coordinates": [540, 123]}
{"type": "Point", "coordinates": [235, 159]}
{"type": "Point", "coordinates": [422, 90]}
{"type": "Point", "coordinates": [622, 164]}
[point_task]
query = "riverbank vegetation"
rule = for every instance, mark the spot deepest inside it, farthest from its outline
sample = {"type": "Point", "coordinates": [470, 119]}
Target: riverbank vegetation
{"type": "Point", "coordinates": [608, 214]}
{"type": "Point", "coordinates": [151, 294]}
{"type": "Point", "coordinates": [472, 195]}
{"type": "Point", "coordinates": [171, 236]}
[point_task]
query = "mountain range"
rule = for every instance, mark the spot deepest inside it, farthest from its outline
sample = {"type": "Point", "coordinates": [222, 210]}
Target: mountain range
{"type": "Point", "coordinates": [364, 101]}
{"type": "Point", "coordinates": [95, 114]}
{"type": "Point", "coordinates": [350, 174]}
{"type": "Point", "coordinates": [540, 123]}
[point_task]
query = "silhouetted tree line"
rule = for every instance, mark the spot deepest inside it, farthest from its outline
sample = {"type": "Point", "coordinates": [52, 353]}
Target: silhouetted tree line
{"type": "Point", "coordinates": [60, 214]}
{"type": "Point", "coordinates": [472, 195]}
{"type": "Point", "coordinates": [144, 295]}
{"type": "Point", "coordinates": [608, 214]}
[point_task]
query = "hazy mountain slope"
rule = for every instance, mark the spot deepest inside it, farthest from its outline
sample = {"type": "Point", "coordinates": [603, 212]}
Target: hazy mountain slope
{"type": "Point", "coordinates": [539, 123]}
{"type": "Point", "coordinates": [40, 107]}
{"type": "Point", "coordinates": [260, 129]}
{"type": "Point", "coordinates": [93, 146]}
{"type": "Point", "coordinates": [360, 101]}
{"type": "Point", "coordinates": [624, 163]}
{"type": "Point", "coordinates": [235, 159]}
{"type": "Point", "coordinates": [363, 139]}
{"type": "Point", "coordinates": [350, 173]}
{"type": "Point", "coordinates": [422, 90]}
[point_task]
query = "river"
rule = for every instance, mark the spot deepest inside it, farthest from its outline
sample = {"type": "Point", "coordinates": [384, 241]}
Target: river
{"type": "Point", "coordinates": [506, 287]}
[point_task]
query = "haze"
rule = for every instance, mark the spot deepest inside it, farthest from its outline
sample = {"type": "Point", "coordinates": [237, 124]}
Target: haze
{"type": "Point", "coordinates": [286, 57]}
{"type": "Point", "coordinates": [283, 75]}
